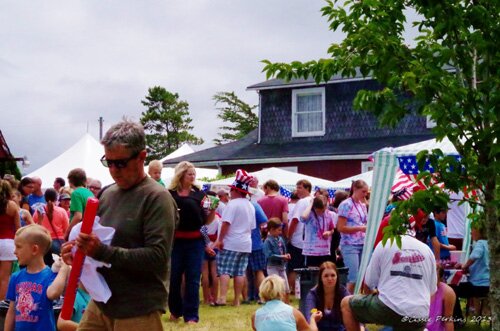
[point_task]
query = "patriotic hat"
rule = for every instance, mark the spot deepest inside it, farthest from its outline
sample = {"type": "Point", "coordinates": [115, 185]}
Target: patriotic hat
{"type": "Point", "coordinates": [242, 181]}
{"type": "Point", "coordinates": [416, 220]}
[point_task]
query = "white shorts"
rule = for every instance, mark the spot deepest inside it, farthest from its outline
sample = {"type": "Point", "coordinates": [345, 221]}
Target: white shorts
{"type": "Point", "coordinates": [7, 250]}
{"type": "Point", "coordinates": [280, 271]}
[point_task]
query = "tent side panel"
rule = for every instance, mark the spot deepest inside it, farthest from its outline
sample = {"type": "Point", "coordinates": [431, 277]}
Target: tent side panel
{"type": "Point", "coordinates": [383, 176]}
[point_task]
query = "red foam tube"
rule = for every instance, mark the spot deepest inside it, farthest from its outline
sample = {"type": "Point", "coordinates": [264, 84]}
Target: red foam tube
{"type": "Point", "coordinates": [78, 259]}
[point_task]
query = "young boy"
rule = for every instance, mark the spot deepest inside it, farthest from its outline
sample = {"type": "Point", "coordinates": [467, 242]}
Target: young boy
{"type": "Point", "coordinates": [154, 171]}
{"type": "Point", "coordinates": [32, 289]}
{"type": "Point", "coordinates": [275, 251]}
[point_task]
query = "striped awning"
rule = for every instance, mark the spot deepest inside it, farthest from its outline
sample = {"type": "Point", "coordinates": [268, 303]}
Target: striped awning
{"type": "Point", "coordinates": [385, 167]}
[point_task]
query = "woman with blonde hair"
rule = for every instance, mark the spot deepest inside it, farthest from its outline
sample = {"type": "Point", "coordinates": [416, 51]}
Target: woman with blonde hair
{"type": "Point", "coordinates": [188, 247]}
{"type": "Point", "coordinates": [9, 223]}
{"type": "Point", "coordinates": [277, 315]}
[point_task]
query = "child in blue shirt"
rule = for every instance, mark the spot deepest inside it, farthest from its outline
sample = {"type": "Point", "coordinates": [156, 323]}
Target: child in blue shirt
{"type": "Point", "coordinates": [442, 233]}
{"type": "Point", "coordinates": [32, 290]}
{"type": "Point", "coordinates": [478, 267]}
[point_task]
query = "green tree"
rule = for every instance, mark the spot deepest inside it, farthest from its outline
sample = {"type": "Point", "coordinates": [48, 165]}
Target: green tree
{"type": "Point", "coordinates": [239, 114]}
{"type": "Point", "coordinates": [9, 167]}
{"type": "Point", "coordinates": [451, 72]}
{"type": "Point", "coordinates": [166, 122]}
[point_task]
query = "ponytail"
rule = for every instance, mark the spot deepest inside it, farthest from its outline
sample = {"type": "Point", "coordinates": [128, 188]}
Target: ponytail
{"type": "Point", "coordinates": [50, 210]}
{"type": "Point", "coordinates": [351, 191]}
{"type": "Point", "coordinates": [51, 197]}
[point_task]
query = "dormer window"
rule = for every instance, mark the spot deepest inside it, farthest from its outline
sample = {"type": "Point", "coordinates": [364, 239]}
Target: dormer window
{"type": "Point", "coordinates": [308, 112]}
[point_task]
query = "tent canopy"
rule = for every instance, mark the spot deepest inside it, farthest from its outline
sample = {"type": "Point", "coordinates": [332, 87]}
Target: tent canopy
{"type": "Point", "coordinates": [85, 153]}
{"type": "Point", "coordinates": [168, 173]}
{"type": "Point", "coordinates": [386, 165]}
{"type": "Point", "coordinates": [185, 149]}
{"type": "Point", "coordinates": [345, 184]}
{"type": "Point", "coordinates": [283, 177]}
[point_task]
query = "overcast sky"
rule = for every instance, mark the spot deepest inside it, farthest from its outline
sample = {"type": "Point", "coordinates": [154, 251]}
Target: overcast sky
{"type": "Point", "coordinates": [65, 63]}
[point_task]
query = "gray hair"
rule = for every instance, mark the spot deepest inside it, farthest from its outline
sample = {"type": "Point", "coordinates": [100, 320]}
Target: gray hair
{"type": "Point", "coordinates": [126, 133]}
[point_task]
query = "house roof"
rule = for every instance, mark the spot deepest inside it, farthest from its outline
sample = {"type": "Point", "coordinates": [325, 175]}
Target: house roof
{"type": "Point", "coordinates": [247, 150]}
{"type": "Point", "coordinates": [299, 82]}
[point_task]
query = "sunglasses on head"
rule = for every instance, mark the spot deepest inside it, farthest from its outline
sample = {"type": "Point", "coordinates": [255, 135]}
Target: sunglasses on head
{"type": "Point", "coordinates": [119, 163]}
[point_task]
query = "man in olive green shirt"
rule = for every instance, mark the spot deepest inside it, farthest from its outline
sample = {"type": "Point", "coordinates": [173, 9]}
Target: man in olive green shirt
{"type": "Point", "coordinates": [143, 214]}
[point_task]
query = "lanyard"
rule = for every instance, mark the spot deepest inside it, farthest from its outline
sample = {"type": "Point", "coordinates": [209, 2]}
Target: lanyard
{"type": "Point", "coordinates": [321, 229]}
{"type": "Point", "coordinates": [361, 218]}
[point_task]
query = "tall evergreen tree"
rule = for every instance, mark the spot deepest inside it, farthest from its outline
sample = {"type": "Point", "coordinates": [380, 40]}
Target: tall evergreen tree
{"type": "Point", "coordinates": [237, 113]}
{"type": "Point", "coordinates": [166, 122]}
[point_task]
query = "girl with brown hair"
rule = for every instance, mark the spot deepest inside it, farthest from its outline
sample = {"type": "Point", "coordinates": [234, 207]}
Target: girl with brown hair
{"type": "Point", "coordinates": [326, 297]}
{"type": "Point", "coordinates": [54, 219]}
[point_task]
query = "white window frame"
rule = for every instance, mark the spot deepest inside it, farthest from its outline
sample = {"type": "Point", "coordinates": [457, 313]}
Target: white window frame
{"type": "Point", "coordinates": [429, 123]}
{"type": "Point", "coordinates": [300, 92]}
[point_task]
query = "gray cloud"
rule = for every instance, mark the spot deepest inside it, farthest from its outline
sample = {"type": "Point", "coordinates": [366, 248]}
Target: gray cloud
{"type": "Point", "coordinates": [64, 64]}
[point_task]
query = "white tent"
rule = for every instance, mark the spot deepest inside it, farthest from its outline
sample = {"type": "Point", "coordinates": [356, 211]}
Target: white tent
{"type": "Point", "coordinates": [185, 149]}
{"type": "Point", "coordinates": [85, 153]}
{"type": "Point", "coordinates": [345, 184]}
{"type": "Point", "coordinates": [283, 177]}
{"type": "Point", "coordinates": [385, 167]}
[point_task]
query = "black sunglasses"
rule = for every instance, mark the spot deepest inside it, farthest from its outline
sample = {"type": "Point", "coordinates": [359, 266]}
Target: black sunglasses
{"type": "Point", "coordinates": [120, 163]}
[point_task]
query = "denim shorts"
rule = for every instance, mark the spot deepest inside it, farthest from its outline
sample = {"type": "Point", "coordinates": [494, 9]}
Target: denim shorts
{"type": "Point", "coordinates": [257, 260]}
{"type": "Point", "coordinates": [352, 258]}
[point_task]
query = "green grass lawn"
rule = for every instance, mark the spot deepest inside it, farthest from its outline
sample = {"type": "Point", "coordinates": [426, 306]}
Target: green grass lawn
{"type": "Point", "coordinates": [230, 318]}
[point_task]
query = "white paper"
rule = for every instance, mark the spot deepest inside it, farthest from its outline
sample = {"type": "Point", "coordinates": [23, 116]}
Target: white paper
{"type": "Point", "coordinates": [94, 282]}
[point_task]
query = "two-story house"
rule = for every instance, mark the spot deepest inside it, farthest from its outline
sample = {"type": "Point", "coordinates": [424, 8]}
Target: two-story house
{"type": "Point", "coordinates": [311, 129]}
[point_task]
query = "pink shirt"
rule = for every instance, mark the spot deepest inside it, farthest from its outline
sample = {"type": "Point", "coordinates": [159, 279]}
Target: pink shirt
{"type": "Point", "coordinates": [274, 206]}
{"type": "Point", "coordinates": [60, 222]}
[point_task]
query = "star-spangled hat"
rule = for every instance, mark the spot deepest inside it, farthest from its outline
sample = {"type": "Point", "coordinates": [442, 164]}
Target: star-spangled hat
{"type": "Point", "coordinates": [242, 181]}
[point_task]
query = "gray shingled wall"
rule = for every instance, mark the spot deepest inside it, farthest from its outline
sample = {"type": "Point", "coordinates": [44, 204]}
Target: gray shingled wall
{"type": "Point", "coordinates": [342, 122]}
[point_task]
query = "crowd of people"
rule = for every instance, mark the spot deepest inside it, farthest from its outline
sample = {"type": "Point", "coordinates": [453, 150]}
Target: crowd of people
{"type": "Point", "coordinates": [170, 240]}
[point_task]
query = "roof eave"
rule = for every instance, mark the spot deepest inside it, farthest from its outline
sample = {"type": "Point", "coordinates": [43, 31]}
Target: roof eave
{"type": "Point", "coordinates": [279, 160]}
{"type": "Point", "coordinates": [304, 84]}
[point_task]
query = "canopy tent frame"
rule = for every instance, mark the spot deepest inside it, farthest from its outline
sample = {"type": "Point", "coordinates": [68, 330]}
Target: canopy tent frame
{"type": "Point", "coordinates": [385, 167]}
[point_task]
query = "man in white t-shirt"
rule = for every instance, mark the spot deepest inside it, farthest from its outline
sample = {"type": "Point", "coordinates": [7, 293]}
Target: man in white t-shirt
{"type": "Point", "coordinates": [405, 279]}
{"type": "Point", "coordinates": [235, 242]}
{"type": "Point", "coordinates": [296, 230]}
